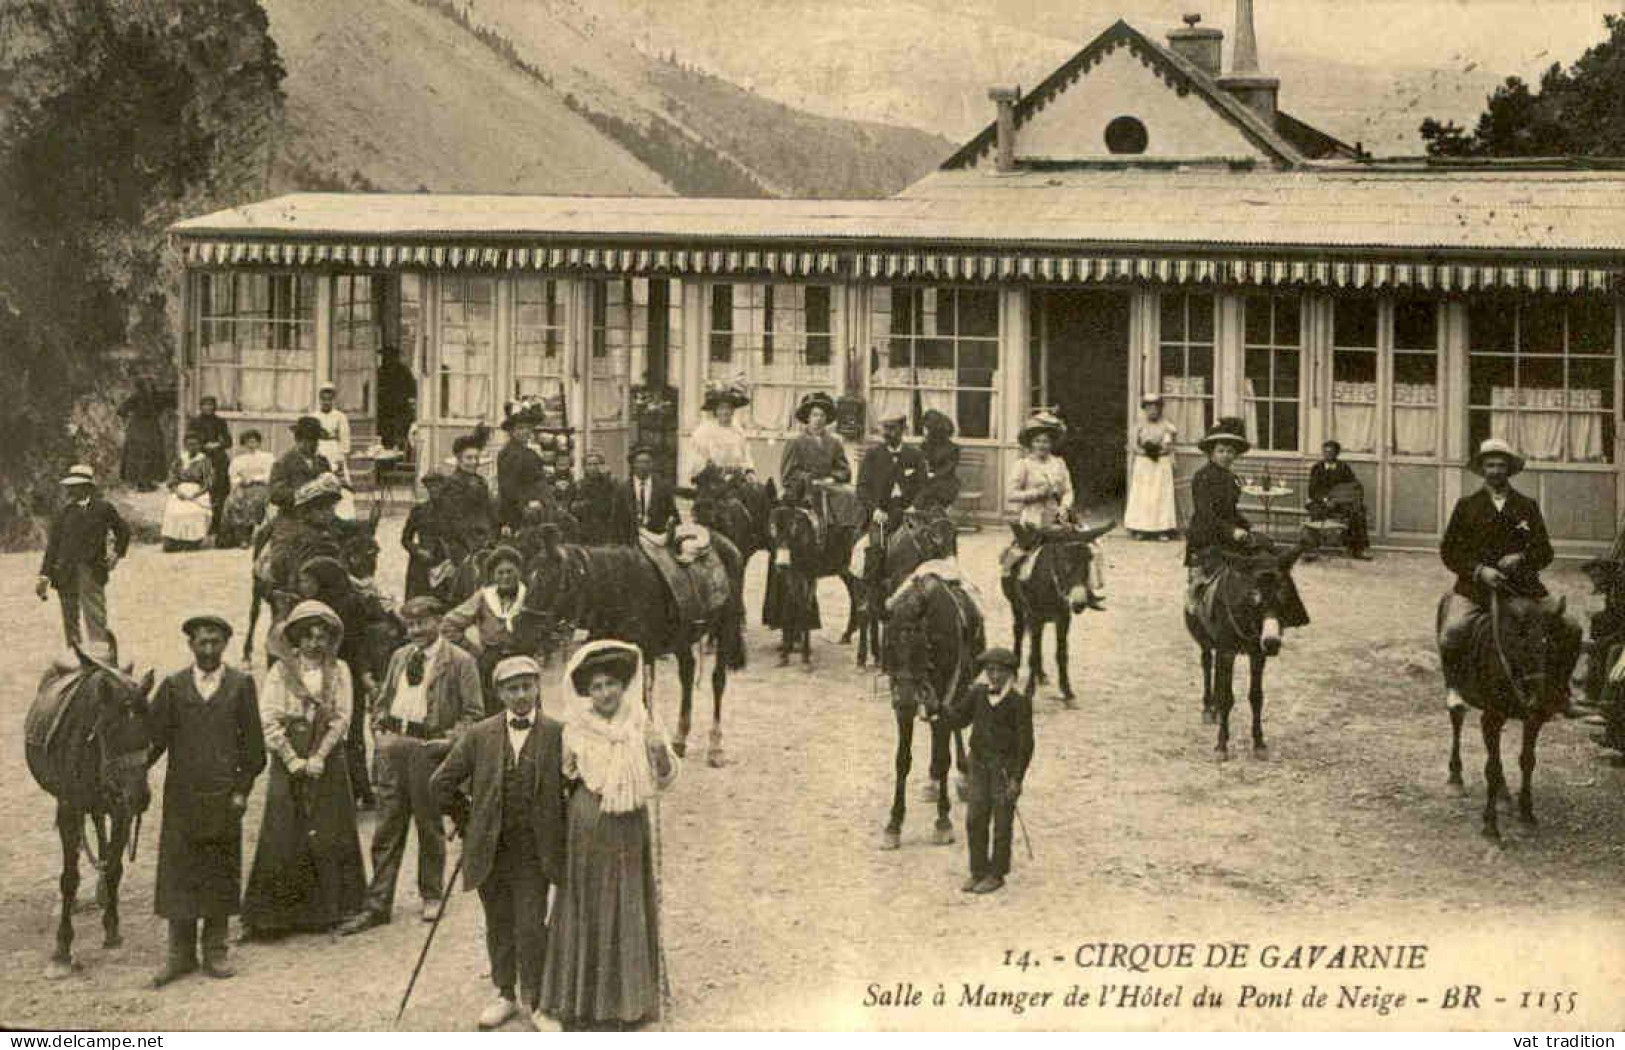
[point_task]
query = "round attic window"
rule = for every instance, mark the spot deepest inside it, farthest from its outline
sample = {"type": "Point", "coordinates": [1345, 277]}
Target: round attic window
{"type": "Point", "coordinates": [1126, 135]}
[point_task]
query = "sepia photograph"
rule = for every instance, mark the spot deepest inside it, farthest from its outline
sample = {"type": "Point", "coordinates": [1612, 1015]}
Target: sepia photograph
{"type": "Point", "coordinates": [812, 515]}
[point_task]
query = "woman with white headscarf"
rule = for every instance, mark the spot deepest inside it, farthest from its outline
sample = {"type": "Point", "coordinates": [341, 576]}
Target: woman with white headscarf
{"type": "Point", "coordinates": [603, 946]}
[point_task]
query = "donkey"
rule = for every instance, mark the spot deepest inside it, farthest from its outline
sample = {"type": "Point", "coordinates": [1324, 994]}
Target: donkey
{"type": "Point", "coordinates": [1051, 590]}
{"type": "Point", "coordinates": [1241, 612]}
{"type": "Point", "coordinates": [887, 562]}
{"type": "Point", "coordinates": [800, 560]}
{"type": "Point", "coordinates": [1516, 667]}
{"type": "Point", "coordinates": [86, 741]}
{"type": "Point", "coordinates": [738, 509]}
{"type": "Point", "coordinates": [617, 592]}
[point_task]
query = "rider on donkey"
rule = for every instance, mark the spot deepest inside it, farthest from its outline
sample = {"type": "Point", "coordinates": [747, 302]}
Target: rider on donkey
{"type": "Point", "coordinates": [1217, 525]}
{"type": "Point", "coordinates": [890, 476]}
{"type": "Point", "coordinates": [522, 481]}
{"type": "Point", "coordinates": [814, 470]}
{"type": "Point", "coordinates": [1041, 485]}
{"type": "Point", "coordinates": [468, 496]}
{"type": "Point", "coordinates": [1496, 542]}
{"type": "Point", "coordinates": [719, 445]}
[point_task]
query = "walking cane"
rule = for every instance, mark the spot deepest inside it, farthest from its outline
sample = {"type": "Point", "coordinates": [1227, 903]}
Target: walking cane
{"type": "Point", "coordinates": [423, 955]}
{"type": "Point", "coordinates": [1025, 838]}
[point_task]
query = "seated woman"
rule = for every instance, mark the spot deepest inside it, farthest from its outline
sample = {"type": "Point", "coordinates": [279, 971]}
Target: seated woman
{"type": "Point", "coordinates": [494, 613]}
{"type": "Point", "coordinates": [250, 492]}
{"type": "Point", "coordinates": [603, 945]}
{"type": "Point", "coordinates": [814, 469]}
{"type": "Point", "coordinates": [940, 489]}
{"type": "Point", "coordinates": [189, 511]}
{"type": "Point", "coordinates": [721, 450]}
{"type": "Point", "coordinates": [1041, 486]}
{"type": "Point", "coordinates": [307, 873]}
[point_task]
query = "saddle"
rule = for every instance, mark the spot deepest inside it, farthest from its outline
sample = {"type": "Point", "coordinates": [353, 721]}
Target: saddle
{"type": "Point", "coordinates": [696, 576]}
{"type": "Point", "coordinates": [51, 701]}
{"type": "Point", "coordinates": [915, 660]}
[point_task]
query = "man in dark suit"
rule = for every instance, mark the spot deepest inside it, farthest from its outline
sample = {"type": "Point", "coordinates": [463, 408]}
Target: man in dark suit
{"type": "Point", "coordinates": [646, 502]}
{"type": "Point", "coordinates": [513, 833]}
{"type": "Point", "coordinates": [206, 718]}
{"type": "Point", "coordinates": [1001, 748]}
{"type": "Point", "coordinates": [890, 476]}
{"type": "Point", "coordinates": [1496, 541]}
{"type": "Point", "coordinates": [299, 465]}
{"type": "Point", "coordinates": [1327, 500]}
{"type": "Point", "coordinates": [77, 562]}
{"type": "Point", "coordinates": [521, 479]}
{"type": "Point", "coordinates": [431, 695]}
{"type": "Point", "coordinates": [596, 502]}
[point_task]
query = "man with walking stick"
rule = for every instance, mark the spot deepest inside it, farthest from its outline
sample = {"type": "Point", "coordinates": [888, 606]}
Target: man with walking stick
{"type": "Point", "coordinates": [513, 835]}
{"type": "Point", "coordinates": [1001, 747]}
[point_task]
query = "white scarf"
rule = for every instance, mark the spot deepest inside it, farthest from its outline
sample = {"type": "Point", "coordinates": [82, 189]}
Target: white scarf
{"type": "Point", "coordinates": [609, 755]}
{"type": "Point", "coordinates": [494, 603]}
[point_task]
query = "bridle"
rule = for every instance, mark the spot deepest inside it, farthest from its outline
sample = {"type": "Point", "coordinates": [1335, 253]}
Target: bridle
{"type": "Point", "coordinates": [1515, 681]}
{"type": "Point", "coordinates": [109, 770]}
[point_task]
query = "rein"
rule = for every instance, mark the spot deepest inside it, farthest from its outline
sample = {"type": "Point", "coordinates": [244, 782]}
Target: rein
{"type": "Point", "coordinates": [1500, 653]}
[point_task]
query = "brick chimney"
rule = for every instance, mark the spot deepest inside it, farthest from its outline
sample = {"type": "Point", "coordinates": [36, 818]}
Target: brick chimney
{"type": "Point", "coordinates": [1202, 48]}
{"type": "Point", "coordinates": [1246, 82]}
{"type": "Point", "coordinates": [1005, 98]}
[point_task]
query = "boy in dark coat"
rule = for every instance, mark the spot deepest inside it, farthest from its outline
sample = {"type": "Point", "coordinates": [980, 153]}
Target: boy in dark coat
{"type": "Point", "coordinates": [1001, 748]}
{"type": "Point", "coordinates": [77, 562]}
{"type": "Point", "coordinates": [513, 835]}
{"type": "Point", "coordinates": [207, 719]}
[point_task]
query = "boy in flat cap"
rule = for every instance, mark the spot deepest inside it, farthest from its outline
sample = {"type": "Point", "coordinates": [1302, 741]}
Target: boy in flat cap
{"type": "Point", "coordinates": [431, 695]}
{"type": "Point", "coordinates": [207, 719]}
{"type": "Point", "coordinates": [1001, 747]}
{"type": "Point", "coordinates": [513, 835]}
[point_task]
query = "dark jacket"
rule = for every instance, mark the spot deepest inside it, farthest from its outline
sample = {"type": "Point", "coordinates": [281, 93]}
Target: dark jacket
{"type": "Point", "coordinates": [290, 472]}
{"type": "Point", "coordinates": [1215, 492]}
{"type": "Point", "coordinates": [1001, 736]}
{"type": "Point", "coordinates": [451, 691]}
{"type": "Point", "coordinates": [215, 750]}
{"type": "Point", "coordinates": [214, 431]}
{"type": "Point", "coordinates": [882, 469]}
{"type": "Point", "coordinates": [467, 499]}
{"type": "Point", "coordinates": [520, 479]}
{"type": "Point", "coordinates": [595, 508]}
{"type": "Point", "coordinates": [661, 511]}
{"type": "Point", "coordinates": [1323, 477]}
{"type": "Point", "coordinates": [1477, 535]}
{"type": "Point", "coordinates": [79, 537]}
{"type": "Point", "coordinates": [480, 758]}
{"type": "Point", "coordinates": [940, 487]}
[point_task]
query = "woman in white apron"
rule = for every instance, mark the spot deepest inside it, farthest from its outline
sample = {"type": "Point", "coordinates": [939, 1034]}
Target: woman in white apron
{"type": "Point", "coordinates": [1151, 513]}
{"type": "Point", "coordinates": [334, 446]}
{"type": "Point", "coordinates": [188, 512]}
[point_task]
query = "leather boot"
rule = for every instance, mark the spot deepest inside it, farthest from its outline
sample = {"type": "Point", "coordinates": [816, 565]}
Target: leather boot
{"type": "Point", "coordinates": [214, 949]}
{"type": "Point", "coordinates": [182, 957]}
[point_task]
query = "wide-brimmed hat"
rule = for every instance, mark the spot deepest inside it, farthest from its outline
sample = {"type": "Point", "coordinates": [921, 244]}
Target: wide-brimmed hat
{"type": "Point", "coordinates": [309, 610]}
{"type": "Point", "coordinates": [617, 658]}
{"type": "Point", "coordinates": [936, 419]}
{"type": "Point", "coordinates": [1230, 430]}
{"type": "Point", "coordinates": [818, 399]}
{"type": "Point", "coordinates": [515, 667]}
{"type": "Point", "coordinates": [503, 553]}
{"type": "Point", "coordinates": [998, 656]}
{"type": "Point", "coordinates": [522, 414]}
{"type": "Point", "coordinates": [724, 394]}
{"type": "Point", "coordinates": [1041, 422]}
{"type": "Point", "coordinates": [195, 623]}
{"type": "Point", "coordinates": [1495, 447]}
{"type": "Point", "coordinates": [307, 428]}
{"type": "Point", "coordinates": [323, 487]}
{"type": "Point", "coordinates": [79, 474]}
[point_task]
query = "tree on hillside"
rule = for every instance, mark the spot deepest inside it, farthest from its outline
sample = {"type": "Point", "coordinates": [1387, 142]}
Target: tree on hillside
{"type": "Point", "coordinates": [1577, 111]}
{"type": "Point", "coordinates": [117, 117]}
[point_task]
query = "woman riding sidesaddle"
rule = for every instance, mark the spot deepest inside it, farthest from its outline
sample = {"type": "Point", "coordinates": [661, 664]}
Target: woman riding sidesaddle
{"type": "Point", "coordinates": [1217, 525]}
{"type": "Point", "coordinates": [1041, 487]}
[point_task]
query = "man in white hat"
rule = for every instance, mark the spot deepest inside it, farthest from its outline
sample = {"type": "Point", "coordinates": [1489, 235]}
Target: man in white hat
{"type": "Point", "coordinates": [513, 833]}
{"type": "Point", "coordinates": [1496, 541]}
{"type": "Point", "coordinates": [77, 561]}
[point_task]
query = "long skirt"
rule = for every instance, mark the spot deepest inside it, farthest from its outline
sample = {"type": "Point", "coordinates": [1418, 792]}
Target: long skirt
{"type": "Point", "coordinates": [186, 520]}
{"type": "Point", "coordinates": [1151, 505]}
{"type": "Point", "coordinates": [307, 872]}
{"type": "Point", "coordinates": [603, 942]}
{"type": "Point", "coordinates": [790, 601]}
{"type": "Point", "coordinates": [244, 511]}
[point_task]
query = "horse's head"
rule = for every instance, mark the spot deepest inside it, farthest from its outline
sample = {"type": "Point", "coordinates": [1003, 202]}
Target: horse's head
{"type": "Point", "coordinates": [360, 556]}
{"type": "Point", "coordinates": [1265, 574]}
{"type": "Point", "coordinates": [119, 732]}
{"type": "Point", "coordinates": [935, 535]}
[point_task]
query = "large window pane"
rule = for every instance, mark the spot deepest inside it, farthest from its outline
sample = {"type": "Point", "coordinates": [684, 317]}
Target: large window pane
{"type": "Point", "coordinates": [938, 348]}
{"type": "Point", "coordinates": [1186, 360]}
{"type": "Point", "coordinates": [258, 339]}
{"type": "Point", "coordinates": [1271, 381]}
{"type": "Point", "coordinates": [777, 337]}
{"type": "Point", "coordinates": [467, 346]}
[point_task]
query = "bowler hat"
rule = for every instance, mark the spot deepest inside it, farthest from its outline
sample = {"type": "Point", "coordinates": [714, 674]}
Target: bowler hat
{"type": "Point", "coordinates": [307, 428]}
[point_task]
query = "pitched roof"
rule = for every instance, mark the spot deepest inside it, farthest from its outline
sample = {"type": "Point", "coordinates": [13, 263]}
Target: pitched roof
{"type": "Point", "coordinates": [1180, 74]}
{"type": "Point", "coordinates": [1311, 141]}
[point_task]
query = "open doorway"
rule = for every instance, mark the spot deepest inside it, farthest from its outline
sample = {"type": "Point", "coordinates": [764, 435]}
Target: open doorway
{"type": "Point", "coordinates": [1082, 368]}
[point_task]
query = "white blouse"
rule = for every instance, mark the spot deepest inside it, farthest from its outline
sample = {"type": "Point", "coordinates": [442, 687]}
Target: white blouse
{"type": "Point", "coordinates": [252, 468]}
{"type": "Point", "coordinates": [1042, 489]}
{"type": "Point", "coordinates": [278, 703]}
{"type": "Point", "coordinates": [721, 446]}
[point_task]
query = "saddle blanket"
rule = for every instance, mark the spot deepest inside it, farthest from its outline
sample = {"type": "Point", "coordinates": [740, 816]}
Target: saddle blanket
{"type": "Point", "coordinates": [1201, 591]}
{"type": "Point", "coordinates": [843, 507]}
{"type": "Point", "coordinates": [940, 569]}
{"type": "Point", "coordinates": [699, 589]}
{"type": "Point", "coordinates": [50, 704]}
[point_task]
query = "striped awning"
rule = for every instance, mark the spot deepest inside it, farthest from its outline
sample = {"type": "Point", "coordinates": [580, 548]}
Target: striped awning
{"type": "Point", "coordinates": [995, 267]}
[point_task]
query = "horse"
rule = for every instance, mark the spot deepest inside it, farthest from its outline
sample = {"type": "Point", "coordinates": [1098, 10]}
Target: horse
{"type": "Point", "coordinates": [1055, 588]}
{"type": "Point", "coordinates": [800, 560]}
{"type": "Point", "coordinates": [617, 592]}
{"type": "Point", "coordinates": [1517, 665]}
{"type": "Point", "coordinates": [727, 503]}
{"type": "Point", "coordinates": [86, 741]}
{"type": "Point", "coordinates": [1241, 614]}
{"type": "Point", "coordinates": [937, 636]}
{"type": "Point", "coordinates": [352, 543]}
{"type": "Point", "coordinates": [887, 561]}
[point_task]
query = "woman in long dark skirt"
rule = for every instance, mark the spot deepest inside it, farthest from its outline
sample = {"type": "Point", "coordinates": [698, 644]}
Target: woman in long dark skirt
{"type": "Point", "coordinates": [307, 873]}
{"type": "Point", "coordinates": [603, 945]}
{"type": "Point", "coordinates": [326, 580]}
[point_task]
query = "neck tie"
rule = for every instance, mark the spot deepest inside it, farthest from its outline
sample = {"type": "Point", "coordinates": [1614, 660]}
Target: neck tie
{"type": "Point", "coordinates": [414, 667]}
{"type": "Point", "coordinates": [519, 723]}
{"type": "Point", "coordinates": [643, 500]}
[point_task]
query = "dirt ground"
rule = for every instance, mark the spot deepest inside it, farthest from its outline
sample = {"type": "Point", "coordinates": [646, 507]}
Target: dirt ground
{"type": "Point", "coordinates": [780, 910]}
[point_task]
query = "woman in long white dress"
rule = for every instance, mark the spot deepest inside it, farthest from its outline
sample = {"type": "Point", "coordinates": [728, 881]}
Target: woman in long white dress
{"type": "Point", "coordinates": [335, 446]}
{"type": "Point", "coordinates": [1151, 511]}
{"type": "Point", "coordinates": [188, 512]}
